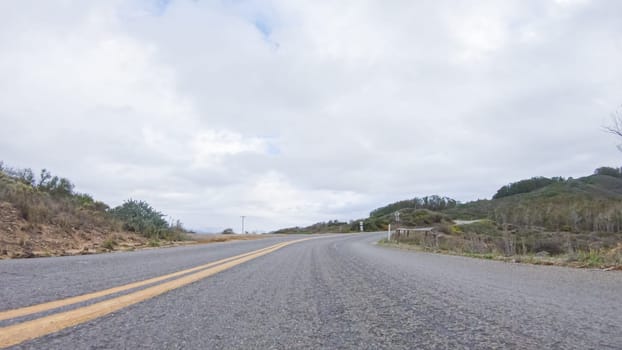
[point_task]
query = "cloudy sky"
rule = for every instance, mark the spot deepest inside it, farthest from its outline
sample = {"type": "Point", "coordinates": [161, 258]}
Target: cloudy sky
{"type": "Point", "coordinates": [292, 112]}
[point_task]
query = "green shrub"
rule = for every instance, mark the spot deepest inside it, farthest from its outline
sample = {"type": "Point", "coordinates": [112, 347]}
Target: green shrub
{"type": "Point", "coordinates": [140, 217]}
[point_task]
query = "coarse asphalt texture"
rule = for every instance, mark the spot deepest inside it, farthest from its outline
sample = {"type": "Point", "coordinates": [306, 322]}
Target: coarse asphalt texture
{"type": "Point", "coordinates": [333, 292]}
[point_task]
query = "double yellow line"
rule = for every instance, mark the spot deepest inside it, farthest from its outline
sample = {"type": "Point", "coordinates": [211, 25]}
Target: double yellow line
{"type": "Point", "coordinates": [20, 332]}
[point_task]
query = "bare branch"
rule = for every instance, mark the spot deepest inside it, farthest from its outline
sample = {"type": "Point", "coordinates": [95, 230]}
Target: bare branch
{"type": "Point", "coordinates": [616, 128]}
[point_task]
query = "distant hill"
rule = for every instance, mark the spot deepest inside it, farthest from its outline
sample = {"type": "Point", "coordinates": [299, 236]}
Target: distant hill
{"type": "Point", "coordinates": [331, 226]}
{"type": "Point", "coordinates": [434, 203]}
{"type": "Point", "coordinates": [408, 217]}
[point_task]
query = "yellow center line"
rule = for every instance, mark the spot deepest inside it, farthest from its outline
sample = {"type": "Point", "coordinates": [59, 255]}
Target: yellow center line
{"type": "Point", "coordinates": [24, 311]}
{"type": "Point", "coordinates": [18, 333]}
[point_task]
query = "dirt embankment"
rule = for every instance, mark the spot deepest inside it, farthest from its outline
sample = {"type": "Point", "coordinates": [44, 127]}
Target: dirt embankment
{"type": "Point", "coordinates": [21, 239]}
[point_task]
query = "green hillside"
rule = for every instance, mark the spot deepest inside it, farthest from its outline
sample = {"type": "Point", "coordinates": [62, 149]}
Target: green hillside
{"type": "Point", "coordinates": [574, 222]}
{"type": "Point", "coordinates": [592, 203]}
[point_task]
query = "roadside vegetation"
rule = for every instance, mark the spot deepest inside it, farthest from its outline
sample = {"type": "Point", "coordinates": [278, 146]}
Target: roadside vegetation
{"type": "Point", "coordinates": [576, 222]}
{"type": "Point", "coordinates": [561, 221]}
{"type": "Point", "coordinates": [43, 215]}
{"type": "Point", "coordinates": [331, 226]}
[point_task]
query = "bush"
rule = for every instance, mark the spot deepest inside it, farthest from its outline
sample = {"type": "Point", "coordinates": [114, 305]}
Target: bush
{"type": "Point", "coordinates": [140, 217]}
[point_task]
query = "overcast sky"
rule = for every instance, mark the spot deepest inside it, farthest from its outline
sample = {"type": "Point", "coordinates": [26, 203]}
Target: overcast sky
{"type": "Point", "coordinates": [293, 112]}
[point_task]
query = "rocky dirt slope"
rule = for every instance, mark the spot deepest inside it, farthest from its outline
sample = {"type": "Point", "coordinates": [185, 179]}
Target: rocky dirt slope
{"type": "Point", "coordinates": [21, 239]}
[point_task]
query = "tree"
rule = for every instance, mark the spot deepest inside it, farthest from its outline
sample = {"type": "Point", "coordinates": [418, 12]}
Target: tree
{"type": "Point", "coordinates": [609, 171]}
{"type": "Point", "coordinates": [44, 178]}
{"type": "Point", "coordinates": [56, 186]}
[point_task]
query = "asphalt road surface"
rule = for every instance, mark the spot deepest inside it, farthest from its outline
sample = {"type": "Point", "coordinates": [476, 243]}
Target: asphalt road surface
{"type": "Point", "coordinates": [333, 292]}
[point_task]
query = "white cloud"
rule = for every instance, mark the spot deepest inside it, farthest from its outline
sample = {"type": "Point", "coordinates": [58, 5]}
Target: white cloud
{"type": "Point", "coordinates": [294, 113]}
{"type": "Point", "coordinates": [210, 147]}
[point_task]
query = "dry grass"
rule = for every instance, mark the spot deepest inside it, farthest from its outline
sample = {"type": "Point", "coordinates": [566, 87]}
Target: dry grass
{"type": "Point", "coordinates": [606, 259]}
{"type": "Point", "coordinates": [535, 245]}
{"type": "Point", "coordinates": [205, 239]}
{"type": "Point", "coordinates": [20, 238]}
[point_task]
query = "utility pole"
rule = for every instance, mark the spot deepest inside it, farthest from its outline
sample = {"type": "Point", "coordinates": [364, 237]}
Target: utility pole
{"type": "Point", "coordinates": [243, 217]}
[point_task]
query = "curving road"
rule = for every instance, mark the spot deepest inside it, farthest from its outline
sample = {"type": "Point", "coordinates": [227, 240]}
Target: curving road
{"type": "Point", "coordinates": [333, 292]}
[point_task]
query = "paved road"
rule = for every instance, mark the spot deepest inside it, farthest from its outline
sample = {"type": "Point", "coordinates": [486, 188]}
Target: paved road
{"type": "Point", "coordinates": [339, 292]}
